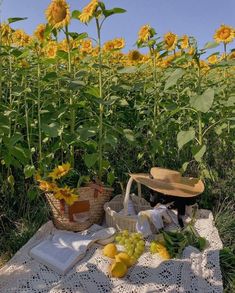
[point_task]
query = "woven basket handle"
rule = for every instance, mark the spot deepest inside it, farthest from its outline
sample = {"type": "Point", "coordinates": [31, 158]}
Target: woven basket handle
{"type": "Point", "coordinates": [127, 194]}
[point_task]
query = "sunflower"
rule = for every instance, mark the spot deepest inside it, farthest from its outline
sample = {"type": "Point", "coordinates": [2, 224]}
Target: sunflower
{"type": "Point", "coordinates": [162, 251]}
{"type": "Point", "coordinates": [60, 171]}
{"type": "Point", "coordinates": [86, 46]}
{"type": "Point", "coordinates": [224, 34]}
{"type": "Point", "coordinates": [39, 32]}
{"type": "Point", "coordinates": [119, 43]}
{"type": "Point", "coordinates": [212, 59]}
{"type": "Point", "coordinates": [67, 194]}
{"type": "Point", "coordinates": [20, 38]}
{"type": "Point", "coordinates": [135, 55]}
{"type": "Point", "coordinates": [47, 186]}
{"type": "Point", "coordinates": [191, 51]}
{"type": "Point", "coordinates": [231, 56]}
{"type": "Point", "coordinates": [108, 46]}
{"type": "Point", "coordinates": [50, 50]}
{"type": "Point", "coordinates": [88, 11]}
{"type": "Point", "coordinates": [170, 41]}
{"type": "Point", "coordinates": [144, 33]}
{"type": "Point", "coordinates": [6, 33]}
{"type": "Point", "coordinates": [58, 14]}
{"type": "Point", "coordinates": [184, 42]}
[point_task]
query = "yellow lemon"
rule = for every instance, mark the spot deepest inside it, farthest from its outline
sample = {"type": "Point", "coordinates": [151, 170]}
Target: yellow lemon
{"type": "Point", "coordinates": [125, 258]}
{"type": "Point", "coordinates": [118, 269]}
{"type": "Point", "coordinates": [110, 250]}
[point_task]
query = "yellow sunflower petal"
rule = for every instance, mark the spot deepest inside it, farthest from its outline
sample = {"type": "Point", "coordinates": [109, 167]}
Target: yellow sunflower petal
{"type": "Point", "coordinates": [58, 13]}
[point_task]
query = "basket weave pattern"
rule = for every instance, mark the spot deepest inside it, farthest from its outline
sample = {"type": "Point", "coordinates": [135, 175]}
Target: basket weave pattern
{"type": "Point", "coordinates": [94, 214]}
{"type": "Point", "coordinates": [122, 222]}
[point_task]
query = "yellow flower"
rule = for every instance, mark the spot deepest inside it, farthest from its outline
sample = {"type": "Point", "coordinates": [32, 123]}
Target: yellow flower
{"type": "Point", "coordinates": [162, 251]}
{"type": "Point", "coordinates": [20, 38]}
{"type": "Point", "coordinates": [47, 186]}
{"type": "Point", "coordinates": [191, 51]}
{"type": "Point", "coordinates": [135, 55]}
{"type": "Point", "coordinates": [212, 59]}
{"type": "Point", "coordinates": [184, 42]}
{"type": "Point", "coordinates": [58, 14]}
{"type": "Point", "coordinates": [60, 171]}
{"type": "Point", "coordinates": [86, 46]}
{"type": "Point", "coordinates": [231, 56]}
{"type": "Point", "coordinates": [108, 46]}
{"type": "Point", "coordinates": [95, 51]}
{"type": "Point", "coordinates": [66, 194]}
{"type": "Point", "coordinates": [170, 41]}
{"type": "Point", "coordinates": [39, 32]}
{"type": "Point", "coordinates": [50, 49]}
{"type": "Point", "coordinates": [88, 11]}
{"type": "Point", "coordinates": [224, 34]}
{"type": "Point", "coordinates": [144, 33]}
{"type": "Point", "coordinates": [6, 33]}
{"type": "Point", "coordinates": [119, 43]}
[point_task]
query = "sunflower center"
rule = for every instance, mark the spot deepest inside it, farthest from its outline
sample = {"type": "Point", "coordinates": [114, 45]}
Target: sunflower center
{"type": "Point", "coordinates": [225, 33]}
{"type": "Point", "coordinates": [65, 193]}
{"type": "Point", "coordinates": [59, 13]}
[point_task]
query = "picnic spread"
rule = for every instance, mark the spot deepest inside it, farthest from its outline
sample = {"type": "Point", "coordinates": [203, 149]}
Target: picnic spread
{"type": "Point", "coordinates": [147, 249]}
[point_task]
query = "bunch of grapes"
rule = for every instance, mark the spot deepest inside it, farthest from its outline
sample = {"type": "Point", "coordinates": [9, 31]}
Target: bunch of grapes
{"type": "Point", "coordinates": [133, 243]}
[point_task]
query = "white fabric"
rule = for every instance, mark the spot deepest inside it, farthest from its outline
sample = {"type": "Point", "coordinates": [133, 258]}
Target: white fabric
{"type": "Point", "coordinates": [156, 216]}
{"type": "Point", "coordinates": [130, 209]}
{"type": "Point", "coordinates": [194, 273]}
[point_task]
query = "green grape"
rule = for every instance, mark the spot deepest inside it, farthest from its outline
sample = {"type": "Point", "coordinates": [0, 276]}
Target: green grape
{"type": "Point", "coordinates": [125, 233]}
{"type": "Point", "coordinates": [138, 250]}
{"type": "Point", "coordinates": [141, 242]}
{"type": "Point", "coordinates": [118, 238]}
{"type": "Point", "coordinates": [127, 241]}
{"type": "Point", "coordinates": [136, 255]}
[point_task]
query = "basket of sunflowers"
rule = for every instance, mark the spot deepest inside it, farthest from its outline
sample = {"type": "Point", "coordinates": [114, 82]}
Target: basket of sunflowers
{"type": "Point", "coordinates": [73, 209]}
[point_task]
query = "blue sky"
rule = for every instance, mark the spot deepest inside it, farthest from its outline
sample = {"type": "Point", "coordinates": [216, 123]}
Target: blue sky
{"type": "Point", "coordinates": [198, 18]}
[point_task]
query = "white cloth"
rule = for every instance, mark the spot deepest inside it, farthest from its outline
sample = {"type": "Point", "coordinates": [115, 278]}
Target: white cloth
{"type": "Point", "coordinates": [194, 272]}
{"type": "Point", "coordinates": [155, 216]}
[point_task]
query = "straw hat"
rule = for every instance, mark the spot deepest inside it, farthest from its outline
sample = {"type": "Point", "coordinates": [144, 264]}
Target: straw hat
{"type": "Point", "coordinates": [170, 182]}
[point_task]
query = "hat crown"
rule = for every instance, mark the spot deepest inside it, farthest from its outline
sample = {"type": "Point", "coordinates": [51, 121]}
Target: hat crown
{"type": "Point", "coordinates": [165, 175]}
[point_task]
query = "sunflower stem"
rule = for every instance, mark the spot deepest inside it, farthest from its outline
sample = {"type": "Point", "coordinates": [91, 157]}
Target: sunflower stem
{"type": "Point", "coordinates": [101, 107]}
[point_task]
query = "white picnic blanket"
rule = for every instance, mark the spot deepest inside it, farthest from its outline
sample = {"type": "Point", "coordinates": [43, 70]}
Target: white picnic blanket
{"type": "Point", "coordinates": [194, 272]}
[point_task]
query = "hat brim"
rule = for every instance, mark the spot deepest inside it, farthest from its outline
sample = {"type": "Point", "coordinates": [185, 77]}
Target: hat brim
{"type": "Point", "coordinates": [187, 187]}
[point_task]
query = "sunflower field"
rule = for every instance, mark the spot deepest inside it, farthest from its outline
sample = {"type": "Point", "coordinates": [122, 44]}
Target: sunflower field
{"type": "Point", "coordinates": [67, 97]}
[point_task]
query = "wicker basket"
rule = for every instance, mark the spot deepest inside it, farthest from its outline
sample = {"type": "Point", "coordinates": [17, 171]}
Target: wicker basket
{"type": "Point", "coordinates": [83, 213]}
{"type": "Point", "coordinates": [119, 202]}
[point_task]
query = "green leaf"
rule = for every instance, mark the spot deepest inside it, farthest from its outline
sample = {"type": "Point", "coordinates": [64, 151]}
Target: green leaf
{"type": "Point", "coordinates": [93, 91]}
{"type": "Point", "coordinates": [210, 45]}
{"type": "Point", "coordinates": [15, 19]}
{"type": "Point", "coordinates": [52, 129]}
{"type": "Point", "coordinates": [203, 102]}
{"type": "Point", "coordinates": [32, 193]}
{"type": "Point", "coordinates": [184, 137]}
{"type": "Point", "coordinates": [129, 69]}
{"type": "Point", "coordinates": [29, 170]}
{"type": "Point", "coordinates": [111, 178]}
{"type": "Point", "coordinates": [198, 152]}
{"type": "Point", "coordinates": [75, 14]}
{"type": "Point", "coordinates": [90, 159]}
{"type": "Point", "coordinates": [128, 133]}
{"type": "Point", "coordinates": [184, 167]}
{"type": "Point", "coordinates": [110, 12]}
{"type": "Point", "coordinates": [173, 78]}
{"type": "Point", "coordinates": [50, 76]}
{"type": "Point", "coordinates": [76, 36]}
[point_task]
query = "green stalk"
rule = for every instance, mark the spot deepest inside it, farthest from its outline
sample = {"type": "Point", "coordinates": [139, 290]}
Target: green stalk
{"type": "Point", "coordinates": [72, 111]}
{"type": "Point", "coordinates": [199, 128]}
{"type": "Point", "coordinates": [39, 111]}
{"type": "Point", "coordinates": [101, 107]}
{"type": "Point", "coordinates": [1, 69]}
{"type": "Point", "coordinates": [156, 106]}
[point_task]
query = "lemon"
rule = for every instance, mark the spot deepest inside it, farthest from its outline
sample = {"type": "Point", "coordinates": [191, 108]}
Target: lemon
{"type": "Point", "coordinates": [125, 258]}
{"type": "Point", "coordinates": [110, 250]}
{"type": "Point", "coordinates": [118, 269]}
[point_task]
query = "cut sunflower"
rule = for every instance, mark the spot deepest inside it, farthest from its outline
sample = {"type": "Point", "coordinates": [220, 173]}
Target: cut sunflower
{"type": "Point", "coordinates": [224, 34]}
{"type": "Point", "coordinates": [67, 194]}
{"type": "Point", "coordinates": [58, 13]}
{"type": "Point", "coordinates": [88, 11]}
{"type": "Point", "coordinates": [47, 186]}
{"type": "Point", "coordinates": [60, 171]}
{"type": "Point", "coordinates": [184, 44]}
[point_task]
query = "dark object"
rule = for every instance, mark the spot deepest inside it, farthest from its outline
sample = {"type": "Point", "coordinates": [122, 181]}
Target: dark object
{"type": "Point", "coordinates": [179, 203]}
